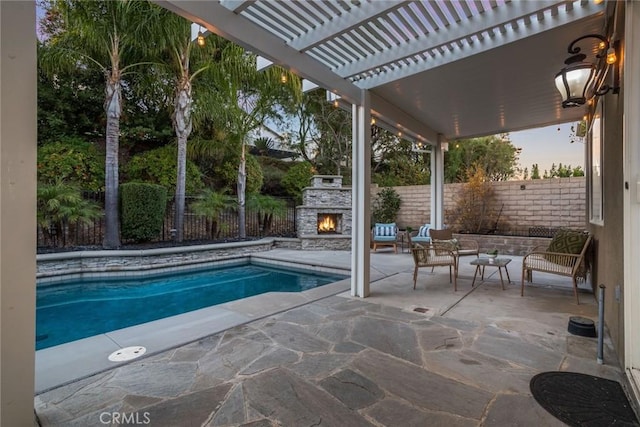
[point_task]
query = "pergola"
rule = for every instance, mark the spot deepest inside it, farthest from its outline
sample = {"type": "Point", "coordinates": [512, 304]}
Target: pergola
{"type": "Point", "coordinates": [431, 71]}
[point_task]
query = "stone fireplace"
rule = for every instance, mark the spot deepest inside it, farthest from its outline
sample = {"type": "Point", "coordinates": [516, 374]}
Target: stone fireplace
{"type": "Point", "coordinates": [324, 218]}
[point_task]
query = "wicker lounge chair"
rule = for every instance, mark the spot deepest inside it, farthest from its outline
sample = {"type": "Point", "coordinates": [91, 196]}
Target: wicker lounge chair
{"type": "Point", "coordinates": [566, 255]}
{"type": "Point", "coordinates": [435, 255]}
{"type": "Point", "coordinates": [462, 247]}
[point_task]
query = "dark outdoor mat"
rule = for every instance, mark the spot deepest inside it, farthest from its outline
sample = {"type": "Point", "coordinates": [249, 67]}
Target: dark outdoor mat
{"type": "Point", "coordinates": [583, 400]}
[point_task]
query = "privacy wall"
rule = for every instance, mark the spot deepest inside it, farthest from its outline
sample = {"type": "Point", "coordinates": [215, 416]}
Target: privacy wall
{"type": "Point", "coordinates": [557, 202]}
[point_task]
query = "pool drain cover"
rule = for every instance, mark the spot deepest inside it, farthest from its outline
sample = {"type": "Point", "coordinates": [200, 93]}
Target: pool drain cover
{"type": "Point", "coordinates": [127, 353]}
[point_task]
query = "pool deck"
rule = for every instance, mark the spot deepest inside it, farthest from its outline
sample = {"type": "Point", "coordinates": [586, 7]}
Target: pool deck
{"type": "Point", "coordinates": [324, 357]}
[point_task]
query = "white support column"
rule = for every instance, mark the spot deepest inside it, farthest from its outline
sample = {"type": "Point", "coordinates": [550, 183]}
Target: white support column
{"type": "Point", "coordinates": [437, 185]}
{"type": "Point", "coordinates": [631, 295]}
{"type": "Point", "coordinates": [361, 197]}
{"type": "Point", "coordinates": [18, 83]}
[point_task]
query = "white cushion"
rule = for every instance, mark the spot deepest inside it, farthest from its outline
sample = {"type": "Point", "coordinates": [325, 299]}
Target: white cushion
{"type": "Point", "coordinates": [385, 230]}
{"type": "Point", "coordinates": [424, 230]}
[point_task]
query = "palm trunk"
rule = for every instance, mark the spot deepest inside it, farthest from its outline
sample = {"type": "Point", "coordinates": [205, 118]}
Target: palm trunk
{"type": "Point", "coordinates": [182, 124]}
{"type": "Point", "coordinates": [113, 109]}
{"type": "Point", "coordinates": [242, 185]}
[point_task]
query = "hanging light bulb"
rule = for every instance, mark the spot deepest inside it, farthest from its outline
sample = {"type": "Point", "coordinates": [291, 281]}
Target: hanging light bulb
{"type": "Point", "coordinates": [611, 56]}
{"type": "Point", "coordinates": [373, 120]}
{"type": "Point", "coordinates": [283, 78]}
{"type": "Point", "coordinates": [335, 103]}
{"type": "Point", "coordinates": [201, 41]}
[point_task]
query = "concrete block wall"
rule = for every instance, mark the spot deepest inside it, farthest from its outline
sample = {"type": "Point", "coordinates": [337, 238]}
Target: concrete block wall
{"type": "Point", "coordinates": [558, 202]}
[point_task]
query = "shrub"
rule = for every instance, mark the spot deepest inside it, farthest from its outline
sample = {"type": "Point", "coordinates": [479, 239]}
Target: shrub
{"type": "Point", "coordinates": [158, 166]}
{"type": "Point", "coordinates": [229, 174]}
{"type": "Point", "coordinates": [267, 207]}
{"type": "Point", "coordinates": [143, 206]}
{"type": "Point", "coordinates": [297, 178]}
{"type": "Point", "coordinates": [71, 160]}
{"type": "Point", "coordinates": [386, 206]}
{"type": "Point", "coordinates": [210, 205]}
{"type": "Point", "coordinates": [475, 210]}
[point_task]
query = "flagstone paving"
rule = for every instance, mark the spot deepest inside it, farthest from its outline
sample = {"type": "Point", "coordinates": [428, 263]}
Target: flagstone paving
{"type": "Point", "coordinates": [342, 361]}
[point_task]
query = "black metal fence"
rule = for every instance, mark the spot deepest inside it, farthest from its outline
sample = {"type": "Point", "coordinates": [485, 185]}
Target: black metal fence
{"type": "Point", "coordinates": [196, 227]}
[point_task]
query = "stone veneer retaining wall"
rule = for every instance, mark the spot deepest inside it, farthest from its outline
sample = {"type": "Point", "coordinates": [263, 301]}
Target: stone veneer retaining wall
{"type": "Point", "coordinates": [78, 263]}
{"type": "Point", "coordinates": [558, 202]}
{"type": "Point", "coordinates": [506, 245]}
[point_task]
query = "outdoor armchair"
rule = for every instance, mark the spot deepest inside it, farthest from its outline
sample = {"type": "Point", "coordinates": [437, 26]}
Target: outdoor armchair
{"type": "Point", "coordinates": [385, 235]}
{"type": "Point", "coordinates": [420, 236]}
{"type": "Point", "coordinates": [566, 255]}
{"type": "Point", "coordinates": [461, 247]}
{"type": "Point", "coordinates": [435, 255]}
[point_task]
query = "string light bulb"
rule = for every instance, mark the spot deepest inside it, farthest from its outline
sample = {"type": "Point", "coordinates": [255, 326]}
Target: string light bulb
{"type": "Point", "coordinates": [611, 56]}
{"type": "Point", "coordinates": [201, 41]}
{"type": "Point", "coordinates": [373, 120]}
{"type": "Point", "coordinates": [335, 103]}
{"type": "Point", "coordinates": [283, 78]}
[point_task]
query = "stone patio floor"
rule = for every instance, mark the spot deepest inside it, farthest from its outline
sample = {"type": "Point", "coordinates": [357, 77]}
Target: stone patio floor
{"type": "Point", "coordinates": [465, 360]}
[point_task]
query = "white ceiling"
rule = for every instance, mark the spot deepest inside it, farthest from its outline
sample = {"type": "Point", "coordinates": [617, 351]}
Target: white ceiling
{"type": "Point", "coordinates": [458, 68]}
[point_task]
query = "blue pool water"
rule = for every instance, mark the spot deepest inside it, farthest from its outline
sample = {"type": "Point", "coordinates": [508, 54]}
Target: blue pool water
{"type": "Point", "coordinates": [82, 308]}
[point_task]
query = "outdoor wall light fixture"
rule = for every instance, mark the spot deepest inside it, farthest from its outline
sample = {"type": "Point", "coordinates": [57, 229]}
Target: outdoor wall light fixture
{"type": "Point", "coordinates": [579, 80]}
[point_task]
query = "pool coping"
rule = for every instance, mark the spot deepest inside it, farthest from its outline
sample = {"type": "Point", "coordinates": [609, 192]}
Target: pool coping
{"type": "Point", "coordinates": [66, 363]}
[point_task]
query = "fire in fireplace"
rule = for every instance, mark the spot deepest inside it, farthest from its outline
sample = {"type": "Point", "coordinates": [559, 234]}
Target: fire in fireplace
{"type": "Point", "coordinates": [328, 223]}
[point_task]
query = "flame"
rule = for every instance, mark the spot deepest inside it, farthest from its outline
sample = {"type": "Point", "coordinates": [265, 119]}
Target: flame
{"type": "Point", "coordinates": [327, 224]}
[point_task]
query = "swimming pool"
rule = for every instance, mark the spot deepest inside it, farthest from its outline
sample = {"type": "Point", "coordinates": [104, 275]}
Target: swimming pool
{"type": "Point", "coordinates": [78, 309]}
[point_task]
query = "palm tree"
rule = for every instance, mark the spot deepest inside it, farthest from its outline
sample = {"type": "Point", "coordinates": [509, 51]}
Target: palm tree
{"type": "Point", "coordinates": [263, 145]}
{"type": "Point", "coordinates": [267, 207]}
{"type": "Point", "coordinates": [185, 60]}
{"type": "Point", "coordinates": [210, 205]}
{"type": "Point", "coordinates": [60, 208]}
{"type": "Point", "coordinates": [107, 35]}
{"type": "Point", "coordinates": [240, 102]}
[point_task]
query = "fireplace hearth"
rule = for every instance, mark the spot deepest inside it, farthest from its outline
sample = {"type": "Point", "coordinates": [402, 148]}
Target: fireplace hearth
{"type": "Point", "coordinates": [329, 223]}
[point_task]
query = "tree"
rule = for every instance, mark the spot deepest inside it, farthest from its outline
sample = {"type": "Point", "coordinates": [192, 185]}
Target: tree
{"type": "Point", "coordinates": [394, 162]}
{"type": "Point", "coordinates": [69, 104]}
{"type": "Point", "coordinates": [474, 210]}
{"type": "Point", "coordinates": [113, 37]}
{"type": "Point", "coordinates": [535, 171]}
{"type": "Point", "coordinates": [323, 134]}
{"type": "Point", "coordinates": [333, 155]}
{"type": "Point", "coordinates": [496, 155]}
{"type": "Point", "coordinates": [386, 206]}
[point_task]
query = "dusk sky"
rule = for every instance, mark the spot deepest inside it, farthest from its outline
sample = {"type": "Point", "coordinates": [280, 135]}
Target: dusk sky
{"type": "Point", "coordinates": [548, 145]}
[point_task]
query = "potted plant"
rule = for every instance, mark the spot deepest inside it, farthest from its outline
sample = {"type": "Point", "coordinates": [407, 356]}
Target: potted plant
{"type": "Point", "coordinates": [492, 254]}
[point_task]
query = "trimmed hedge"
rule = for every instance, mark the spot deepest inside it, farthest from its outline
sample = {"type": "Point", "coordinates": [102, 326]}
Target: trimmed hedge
{"type": "Point", "coordinates": [143, 206]}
